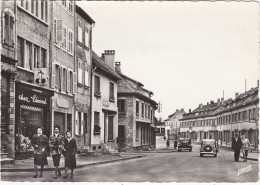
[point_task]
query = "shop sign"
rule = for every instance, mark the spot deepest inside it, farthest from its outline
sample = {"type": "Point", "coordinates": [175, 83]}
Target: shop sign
{"type": "Point", "coordinates": [32, 99]}
{"type": "Point", "coordinates": [63, 103]}
{"type": "Point", "coordinates": [105, 103]}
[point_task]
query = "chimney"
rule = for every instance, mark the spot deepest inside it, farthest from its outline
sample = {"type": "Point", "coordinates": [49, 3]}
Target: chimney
{"type": "Point", "coordinates": [257, 83]}
{"type": "Point", "coordinates": [222, 99]}
{"type": "Point", "coordinates": [182, 109]}
{"type": "Point", "coordinates": [189, 110]}
{"type": "Point", "coordinates": [109, 57]}
{"type": "Point", "coordinates": [218, 100]}
{"type": "Point", "coordinates": [236, 94]}
{"type": "Point", "coordinates": [207, 103]}
{"type": "Point", "coordinates": [211, 101]}
{"type": "Point", "coordinates": [118, 66]}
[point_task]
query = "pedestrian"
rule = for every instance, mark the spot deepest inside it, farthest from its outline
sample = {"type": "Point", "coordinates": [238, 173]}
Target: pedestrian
{"type": "Point", "coordinates": [245, 147]}
{"type": "Point", "coordinates": [70, 150]}
{"type": "Point", "coordinates": [168, 143]}
{"type": "Point", "coordinates": [175, 144]}
{"type": "Point", "coordinates": [39, 143]}
{"type": "Point", "coordinates": [56, 144]}
{"type": "Point", "coordinates": [236, 146]}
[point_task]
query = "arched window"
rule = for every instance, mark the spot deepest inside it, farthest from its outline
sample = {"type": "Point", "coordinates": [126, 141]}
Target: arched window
{"type": "Point", "coordinates": [8, 28]}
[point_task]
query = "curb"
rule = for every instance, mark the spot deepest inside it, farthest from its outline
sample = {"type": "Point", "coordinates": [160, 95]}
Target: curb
{"type": "Point", "coordinates": [62, 168]}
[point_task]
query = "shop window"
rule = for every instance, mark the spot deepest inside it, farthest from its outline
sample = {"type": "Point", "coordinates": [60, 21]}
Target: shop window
{"type": "Point", "coordinates": [111, 92]}
{"type": "Point", "coordinates": [96, 123]}
{"type": "Point", "coordinates": [30, 118]}
{"type": "Point", "coordinates": [121, 106]}
{"type": "Point", "coordinates": [8, 29]}
{"type": "Point", "coordinates": [69, 122]}
{"type": "Point", "coordinates": [97, 86]}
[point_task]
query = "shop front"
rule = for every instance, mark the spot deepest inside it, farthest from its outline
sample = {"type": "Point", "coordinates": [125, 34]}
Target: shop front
{"type": "Point", "coordinates": [32, 109]}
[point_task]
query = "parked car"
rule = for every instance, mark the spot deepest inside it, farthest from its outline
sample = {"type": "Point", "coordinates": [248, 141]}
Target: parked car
{"type": "Point", "coordinates": [184, 144]}
{"type": "Point", "coordinates": [209, 146]}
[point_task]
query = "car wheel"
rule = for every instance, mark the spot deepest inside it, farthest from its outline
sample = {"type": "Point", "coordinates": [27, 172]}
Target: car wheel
{"type": "Point", "coordinates": [190, 150]}
{"type": "Point", "coordinates": [179, 150]}
{"type": "Point", "coordinates": [201, 155]}
{"type": "Point", "coordinates": [215, 155]}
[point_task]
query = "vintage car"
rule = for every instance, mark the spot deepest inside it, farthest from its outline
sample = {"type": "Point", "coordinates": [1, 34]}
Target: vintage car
{"type": "Point", "coordinates": [184, 144]}
{"type": "Point", "coordinates": [209, 146]}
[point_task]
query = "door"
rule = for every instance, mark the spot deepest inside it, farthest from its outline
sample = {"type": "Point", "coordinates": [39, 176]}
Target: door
{"type": "Point", "coordinates": [86, 129]}
{"type": "Point", "coordinates": [105, 127]}
{"type": "Point", "coordinates": [110, 128]}
{"type": "Point", "coordinates": [59, 119]}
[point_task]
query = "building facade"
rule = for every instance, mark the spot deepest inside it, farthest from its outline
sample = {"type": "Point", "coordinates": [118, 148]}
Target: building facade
{"type": "Point", "coordinates": [222, 119]}
{"type": "Point", "coordinates": [8, 68]}
{"type": "Point", "coordinates": [104, 119]}
{"type": "Point", "coordinates": [136, 113]}
{"type": "Point", "coordinates": [175, 122]}
{"type": "Point", "coordinates": [32, 86]}
{"type": "Point", "coordinates": [63, 72]}
{"type": "Point", "coordinates": [83, 65]}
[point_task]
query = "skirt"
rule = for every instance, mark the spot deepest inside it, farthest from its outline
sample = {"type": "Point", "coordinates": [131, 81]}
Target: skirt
{"type": "Point", "coordinates": [40, 159]}
{"type": "Point", "coordinates": [56, 160]}
{"type": "Point", "coordinates": [70, 161]}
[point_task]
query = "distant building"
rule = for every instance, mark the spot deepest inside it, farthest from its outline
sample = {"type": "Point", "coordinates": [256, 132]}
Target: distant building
{"type": "Point", "coordinates": [174, 120]}
{"type": "Point", "coordinates": [83, 65]}
{"type": "Point", "coordinates": [136, 113]}
{"type": "Point", "coordinates": [167, 127]}
{"type": "Point", "coordinates": [104, 122]}
{"type": "Point", "coordinates": [221, 119]}
{"type": "Point", "coordinates": [160, 129]}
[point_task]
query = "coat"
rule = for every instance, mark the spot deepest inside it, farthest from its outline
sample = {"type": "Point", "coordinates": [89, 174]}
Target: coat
{"type": "Point", "coordinates": [38, 143]}
{"type": "Point", "coordinates": [236, 145]}
{"type": "Point", "coordinates": [56, 144]}
{"type": "Point", "coordinates": [70, 152]}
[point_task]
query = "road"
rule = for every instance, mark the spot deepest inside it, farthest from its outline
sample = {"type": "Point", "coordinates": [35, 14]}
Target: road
{"type": "Point", "coordinates": [160, 167]}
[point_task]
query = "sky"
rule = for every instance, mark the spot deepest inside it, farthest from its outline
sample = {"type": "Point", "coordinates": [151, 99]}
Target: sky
{"type": "Point", "coordinates": [186, 53]}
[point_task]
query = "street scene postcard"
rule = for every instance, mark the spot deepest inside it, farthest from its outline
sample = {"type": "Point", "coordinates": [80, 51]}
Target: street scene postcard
{"type": "Point", "coordinates": [130, 91]}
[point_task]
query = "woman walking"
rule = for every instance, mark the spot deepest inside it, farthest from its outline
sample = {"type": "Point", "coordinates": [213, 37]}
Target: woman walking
{"type": "Point", "coordinates": [245, 147]}
{"type": "Point", "coordinates": [70, 148]}
{"type": "Point", "coordinates": [39, 142]}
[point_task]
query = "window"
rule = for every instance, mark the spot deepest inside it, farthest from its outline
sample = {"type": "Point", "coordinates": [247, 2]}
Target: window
{"type": "Point", "coordinates": [143, 109]}
{"type": "Point", "coordinates": [111, 92]}
{"type": "Point", "coordinates": [77, 122]}
{"type": "Point", "coordinates": [121, 105]}
{"type": "Point", "coordinates": [43, 61]}
{"type": "Point", "coordinates": [80, 71]}
{"type": "Point", "coordinates": [36, 8]}
{"type": "Point", "coordinates": [71, 82]}
{"type": "Point", "coordinates": [64, 39]}
{"type": "Point", "coordinates": [71, 6]}
{"type": "Point", "coordinates": [63, 2]}
{"type": "Point", "coordinates": [27, 56]}
{"type": "Point", "coordinates": [57, 76]}
{"type": "Point", "coordinates": [64, 79]}
{"type": "Point", "coordinates": [97, 86]}
{"type": "Point", "coordinates": [137, 108]}
{"type": "Point", "coordinates": [8, 36]}
{"type": "Point", "coordinates": [20, 52]}
{"type": "Point", "coordinates": [70, 44]}
{"type": "Point", "coordinates": [79, 31]}
{"type": "Point", "coordinates": [148, 111]}
{"type": "Point", "coordinates": [254, 116]}
{"type": "Point", "coordinates": [86, 36]}
{"type": "Point", "coordinates": [96, 123]}
{"type": "Point", "coordinates": [86, 75]}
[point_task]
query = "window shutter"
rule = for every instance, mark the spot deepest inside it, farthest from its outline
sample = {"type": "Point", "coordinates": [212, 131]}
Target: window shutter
{"type": "Point", "coordinates": [53, 75]}
{"type": "Point", "coordinates": [76, 123]}
{"type": "Point", "coordinates": [68, 81]}
{"type": "Point", "coordinates": [82, 127]}
{"type": "Point", "coordinates": [61, 79]}
{"type": "Point", "coordinates": [74, 83]}
{"type": "Point", "coordinates": [59, 30]}
{"type": "Point", "coordinates": [86, 75]}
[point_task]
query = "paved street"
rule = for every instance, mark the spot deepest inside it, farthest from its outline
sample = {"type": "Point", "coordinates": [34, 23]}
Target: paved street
{"type": "Point", "coordinates": [160, 167]}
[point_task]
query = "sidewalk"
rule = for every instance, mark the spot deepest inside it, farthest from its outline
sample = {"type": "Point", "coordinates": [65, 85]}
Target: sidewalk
{"type": "Point", "coordinates": [82, 161]}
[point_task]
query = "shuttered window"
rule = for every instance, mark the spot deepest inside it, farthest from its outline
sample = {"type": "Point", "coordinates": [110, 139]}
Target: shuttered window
{"type": "Point", "coordinates": [86, 75]}
{"type": "Point", "coordinates": [111, 91]}
{"type": "Point", "coordinates": [80, 71]}
{"type": "Point", "coordinates": [8, 36]}
{"type": "Point", "coordinates": [97, 85]}
{"type": "Point", "coordinates": [80, 31]}
{"type": "Point", "coordinates": [86, 36]}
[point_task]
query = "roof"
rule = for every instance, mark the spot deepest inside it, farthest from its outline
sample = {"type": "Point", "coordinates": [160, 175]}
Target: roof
{"type": "Point", "coordinates": [81, 12]}
{"type": "Point", "coordinates": [104, 67]}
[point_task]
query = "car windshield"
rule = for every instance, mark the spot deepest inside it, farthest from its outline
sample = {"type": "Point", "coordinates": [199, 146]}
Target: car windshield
{"type": "Point", "coordinates": [184, 140]}
{"type": "Point", "coordinates": [208, 141]}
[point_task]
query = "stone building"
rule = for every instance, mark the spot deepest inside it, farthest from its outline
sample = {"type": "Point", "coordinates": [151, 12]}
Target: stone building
{"type": "Point", "coordinates": [136, 113]}
{"type": "Point", "coordinates": [63, 72]}
{"type": "Point", "coordinates": [32, 86]}
{"type": "Point", "coordinates": [83, 48]}
{"type": "Point", "coordinates": [221, 119]}
{"type": "Point", "coordinates": [104, 119]}
{"type": "Point", "coordinates": [8, 68]}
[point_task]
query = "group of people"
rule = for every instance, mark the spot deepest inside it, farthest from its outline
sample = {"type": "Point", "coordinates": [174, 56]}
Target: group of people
{"type": "Point", "coordinates": [58, 145]}
{"type": "Point", "coordinates": [239, 143]}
